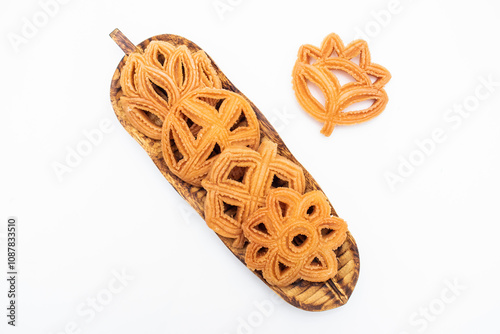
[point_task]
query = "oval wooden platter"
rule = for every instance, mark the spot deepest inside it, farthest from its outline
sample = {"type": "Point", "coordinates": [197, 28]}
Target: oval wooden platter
{"type": "Point", "coordinates": [302, 294]}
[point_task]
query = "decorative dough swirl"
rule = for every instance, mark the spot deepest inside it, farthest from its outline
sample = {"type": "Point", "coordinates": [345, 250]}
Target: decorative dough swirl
{"type": "Point", "coordinates": [294, 237]}
{"type": "Point", "coordinates": [202, 125]}
{"type": "Point", "coordinates": [239, 182]}
{"type": "Point", "coordinates": [154, 81]}
{"type": "Point", "coordinates": [333, 55]}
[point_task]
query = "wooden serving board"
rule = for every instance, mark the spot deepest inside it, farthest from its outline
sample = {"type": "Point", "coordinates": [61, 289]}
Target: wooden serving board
{"type": "Point", "coordinates": [302, 294]}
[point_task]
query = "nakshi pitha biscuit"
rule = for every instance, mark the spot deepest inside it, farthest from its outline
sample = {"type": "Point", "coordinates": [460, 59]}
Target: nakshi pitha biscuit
{"type": "Point", "coordinates": [153, 81]}
{"type": "Point", "coordinates": [316, 65]}
{"type": "Point", "coordinates": [196, 131]}
{"type": "Point", "coordinates": [294, 237]}
{"type": "Point", "coordinates": [238, 183]}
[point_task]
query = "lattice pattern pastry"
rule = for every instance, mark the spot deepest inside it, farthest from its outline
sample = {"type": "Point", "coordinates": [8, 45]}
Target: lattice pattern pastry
{"type": "Point", "coordinates": [201, 126]}
{"type": "Point", "coordinates": [239, 182]}
{"type": "Point", "coordinates": [317, 65]}
{"type": "Point", "coordinates": [154, 81]}
{"type": "Point", "coordinates": [294, 237]}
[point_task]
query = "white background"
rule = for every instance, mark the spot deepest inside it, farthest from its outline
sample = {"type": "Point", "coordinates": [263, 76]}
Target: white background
{"type": "Point", "coordinates": [114, 211]}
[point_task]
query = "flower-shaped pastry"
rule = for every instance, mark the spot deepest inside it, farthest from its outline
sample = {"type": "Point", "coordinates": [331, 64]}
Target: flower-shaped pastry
{"type": "Point", "coordinates": [154, 81]}
{"type": "Point", "coordinates": [239, 182]}
{"type": "Point", "coordinates": [317, 65]}
{"type": "Point", "coordinates": [201, 126]}
{"type": "Point", "coordinates": [294, 237]}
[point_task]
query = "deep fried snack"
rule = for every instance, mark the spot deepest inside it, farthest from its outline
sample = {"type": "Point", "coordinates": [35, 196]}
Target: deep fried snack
{"type": "Point", "coordinates": [333, 55]}
{"type": "Point", "coordinates": [239, 182]}
{"type": "Point", "coordinates": [201, 126]}
{"type": "Point", "coordinates": [294, 237]}
{"type": "Point", "coordinates": [154, 81]}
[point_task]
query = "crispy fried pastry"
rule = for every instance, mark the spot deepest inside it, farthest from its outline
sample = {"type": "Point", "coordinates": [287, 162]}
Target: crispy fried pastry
{"type": "Point", "coordinates": [239, 182]}
{"type": "Point", "coordinates": [154, 81]}
{"type": "Point", "coordinates": [294, 237]}
{"type": "Point", "coordinates": [316, 65]}
{"type": "Point", "coordinates": [201, 126]}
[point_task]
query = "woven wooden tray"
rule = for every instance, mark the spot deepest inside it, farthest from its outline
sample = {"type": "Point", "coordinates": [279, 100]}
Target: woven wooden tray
{"type": "Point", "coordinates": [302, 294]}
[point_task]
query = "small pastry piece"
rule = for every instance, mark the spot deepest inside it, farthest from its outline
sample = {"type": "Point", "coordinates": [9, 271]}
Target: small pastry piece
{"type": "Point", "coordinates": [294, 237]}
{"type": "Point", "coordinates": [201, 126]}
{"type": "Point", "coordinates": [333, 55]}
{"type": "Point", "coordinates": [239, 182]}
{"type": "Point", "coordinates": [154, 81]}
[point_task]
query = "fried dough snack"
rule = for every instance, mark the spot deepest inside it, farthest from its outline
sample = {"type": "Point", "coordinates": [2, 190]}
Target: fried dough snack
{"type": "Point", "coordinates": [202, 125]}
{"type": "Point", "coordinates": [239, 182]}
{"type": "Point", "coordinates": [154, 81]}
{"type": "Point", "coordinates": [294, 237]}
{"type": "Point", "coordinates": [333, 55]}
